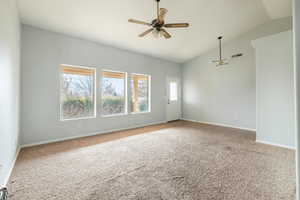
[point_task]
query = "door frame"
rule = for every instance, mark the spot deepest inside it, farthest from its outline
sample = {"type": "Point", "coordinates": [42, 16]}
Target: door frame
{"type": "Point", "coordinates": [179, 90]}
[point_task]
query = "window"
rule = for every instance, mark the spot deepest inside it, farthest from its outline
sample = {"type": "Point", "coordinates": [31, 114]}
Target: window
{"type": "Point", "coordinates": [77, 96]}
{"type": "Point", "coordinates": [114, 93]}
{"type": "Point", "coordinates": [140, 90]}
{"type": "Point", "coordinates": [173, 91]}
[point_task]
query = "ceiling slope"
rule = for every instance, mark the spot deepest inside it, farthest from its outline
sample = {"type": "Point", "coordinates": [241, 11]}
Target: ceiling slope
{"type": "Point", "coordinates": [278, 8]}
{"type": "Point", "coordinates": [105, 21]}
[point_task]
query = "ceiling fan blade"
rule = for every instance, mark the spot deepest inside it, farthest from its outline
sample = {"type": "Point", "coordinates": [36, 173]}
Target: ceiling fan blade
{"type": "Point", "coordinates": [146, 32]}
{"type": "Point", "coordinates": [237, 55]}
{"type": "Point", "coordinates": [162, 14]}
{"type": "Point", "coordinates": [165, 34]}
{"type": "Point", "coordinates": [178, 25]}
{"type": "Point", "coordinates": [139, 22]}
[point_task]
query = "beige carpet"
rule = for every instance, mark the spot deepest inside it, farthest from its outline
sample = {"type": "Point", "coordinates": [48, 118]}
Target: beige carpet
{"type": "Point", "coordinates": [177, 161]}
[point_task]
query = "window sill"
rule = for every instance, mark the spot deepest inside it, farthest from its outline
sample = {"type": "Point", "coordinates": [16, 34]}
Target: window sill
{"type": "Point", "coordinates": [75, 119]}
{"type": "Point", "coordinates": [115, 115]}
{"type": "Point", "coordinates": [136, 113]}
{"type": "Point", "coordinates": [106, 116]}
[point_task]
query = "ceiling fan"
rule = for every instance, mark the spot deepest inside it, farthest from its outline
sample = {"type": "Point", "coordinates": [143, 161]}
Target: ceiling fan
{"type": "Point", "coordinates": [157, 25]}
{"type": "Point", "coordinates": [223, 61]}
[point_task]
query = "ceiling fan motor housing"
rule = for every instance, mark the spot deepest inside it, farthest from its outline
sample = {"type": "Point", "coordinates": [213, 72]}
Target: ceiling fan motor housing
{"type": "Point", "coordinates": [3, 194]}
{"type": "Point", "coordinates": [158, 25]}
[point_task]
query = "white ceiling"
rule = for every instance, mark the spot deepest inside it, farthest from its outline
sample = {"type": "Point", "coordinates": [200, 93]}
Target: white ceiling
{"type": "Point", "coordinates": [278, 8]}
{"type": "Point", "coordinates": [105, 21]}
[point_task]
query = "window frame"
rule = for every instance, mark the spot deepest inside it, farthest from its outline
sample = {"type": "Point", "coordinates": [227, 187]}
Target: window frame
{"type": "Point", "coordinates": [125, 91]}
{"type": "Point", "coordinates": [149, 94]}
{"type": "Point", "coordinates": [94, 92]}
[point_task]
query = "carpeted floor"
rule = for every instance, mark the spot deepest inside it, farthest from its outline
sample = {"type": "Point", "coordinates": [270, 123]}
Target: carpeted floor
{"type": "Point", "coordinates": [175, 161]}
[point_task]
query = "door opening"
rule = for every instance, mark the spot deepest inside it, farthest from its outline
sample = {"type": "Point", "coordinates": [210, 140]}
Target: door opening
{"type": "Point", "coordinates": [173, 99]}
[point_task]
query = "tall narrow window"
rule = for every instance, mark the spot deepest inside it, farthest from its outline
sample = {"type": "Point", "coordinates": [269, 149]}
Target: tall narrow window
{"type": "Point", "coordinates": [113, 93]}
{"type": "Point", "coordinates": [77, 96]}
{"type": "Point", "coordinates": [140, 90]}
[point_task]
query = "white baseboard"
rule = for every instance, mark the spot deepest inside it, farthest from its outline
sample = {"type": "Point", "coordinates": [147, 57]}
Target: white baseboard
{"type": "Point", "coordinates": [10, 169]}
{"type": "Point", "coordinates": [275, 144]}
{"type": "Point", "coordinates": [90, 134]}
{"type": "Point", "coordinates": [219, 124]}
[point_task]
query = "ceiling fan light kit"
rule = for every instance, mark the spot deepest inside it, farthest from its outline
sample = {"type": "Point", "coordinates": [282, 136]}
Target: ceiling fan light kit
{"type": "Point", "coordinates": [157, 25]}
{"type": "Point", "coordinates": [223, 61]}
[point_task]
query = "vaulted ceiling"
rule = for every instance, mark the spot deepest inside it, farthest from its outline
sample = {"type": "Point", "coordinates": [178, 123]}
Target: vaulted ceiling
{"type": "Point", "coordinates": [105, 21]}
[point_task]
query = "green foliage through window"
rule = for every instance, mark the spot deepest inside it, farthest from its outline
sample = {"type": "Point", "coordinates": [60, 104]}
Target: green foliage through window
{"type": "Point", "coordinates": [140, 93]}
{"type": "Point", "coordinates": [113, 93]}
{"type": "Point", "coordinates": [77, 92]}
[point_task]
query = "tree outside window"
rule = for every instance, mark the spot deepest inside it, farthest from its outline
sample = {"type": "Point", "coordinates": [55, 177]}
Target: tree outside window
{"type": "Point", "coordinates": [140, 90]}
{"type": "Point", "coordinates": [77, 92]}
{"type": "Point", "coordinates": [113, 93]}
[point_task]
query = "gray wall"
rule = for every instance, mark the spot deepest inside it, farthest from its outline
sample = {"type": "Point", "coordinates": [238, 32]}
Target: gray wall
{"type": "Point", "coordinates": [226, 95]}
{"type": "Point", "coordinates": [275, 89]}
{"type": "Point", "coordinates": [9, 86]}
{"type": "Point", "coordinates": [43, 52]}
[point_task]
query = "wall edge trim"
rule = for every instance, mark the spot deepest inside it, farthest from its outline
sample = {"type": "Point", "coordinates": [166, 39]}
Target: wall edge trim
{"type": "Point", "coordinates": [11, 167]}
{"type": "Point", "coordinates": [91, 134]}
{"type": "Point", "coordinates": [219, 124]}
{"type": "Point", "coordinates": [275, 144]}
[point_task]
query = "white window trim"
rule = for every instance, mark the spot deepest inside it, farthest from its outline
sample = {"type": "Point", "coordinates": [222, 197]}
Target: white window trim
{"type": "Point", "coordinates": [126, 95]}
{"type": "Point", "coordinates": [114, 115]}
{"type": "Point", "coordinates": [149, 94]}
{"type": "Point", "coordinates": [95, 93]}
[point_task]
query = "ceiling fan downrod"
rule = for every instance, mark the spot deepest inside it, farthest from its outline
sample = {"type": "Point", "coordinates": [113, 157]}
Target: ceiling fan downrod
{"type": "Point", "coordinates": [157, 8]}
{"type": "Point", "coordinates": [220, 45]}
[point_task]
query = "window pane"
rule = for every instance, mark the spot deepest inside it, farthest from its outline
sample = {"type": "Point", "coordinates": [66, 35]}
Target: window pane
{"type": "Point", "coordinates": [173, 91]}
{"type": "Point", "coordinates": [113, 93]}
{"type": "Point", "coordinates": [77, 92]}
{"type": "Point", "coordinates": [140, 93]}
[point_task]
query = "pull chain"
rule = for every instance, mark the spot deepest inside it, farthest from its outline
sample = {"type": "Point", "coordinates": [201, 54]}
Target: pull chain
{"type": "Point", "coordinates": [158, 9]}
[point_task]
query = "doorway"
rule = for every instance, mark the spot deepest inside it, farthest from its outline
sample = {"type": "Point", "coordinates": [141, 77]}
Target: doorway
{"type": "Point", "coordinates": [173, 99]}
